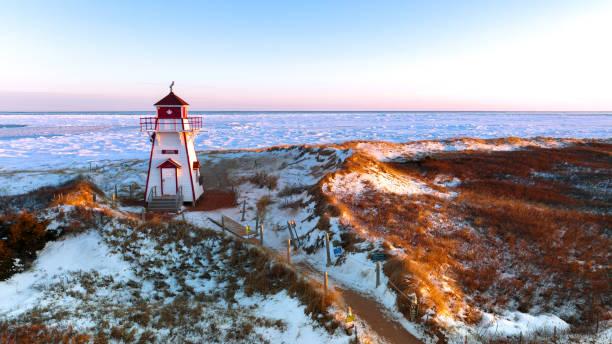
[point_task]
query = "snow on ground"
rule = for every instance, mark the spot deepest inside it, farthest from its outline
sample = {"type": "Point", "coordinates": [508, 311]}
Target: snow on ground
{"type": "Point", "coordinates": [105, 174]}
{"type": "Point", "coordinates": [373, 178]}
{"type": "Point", "coordinates": [85, 282]}
{"type": "Point", "coordinates": [15, 183]}
{"type": "Point", "coordinates": [84, 252]}
{"type": "Point", "coordinates": [300, 328]}
{"type": "Point", "coordinates": [517, 323]}
{"type": "Point", "coordinates": [60, 140]}
{"type": "Point", "coordinates": [386, 151]}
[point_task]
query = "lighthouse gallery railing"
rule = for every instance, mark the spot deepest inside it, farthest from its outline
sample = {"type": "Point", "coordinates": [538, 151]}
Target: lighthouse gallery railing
{"type": "Point", "coordinates": [170, 124]}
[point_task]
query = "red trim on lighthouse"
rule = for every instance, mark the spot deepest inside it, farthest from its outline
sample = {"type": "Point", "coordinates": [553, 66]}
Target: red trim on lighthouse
{"type": "Point", "coordinates": [170, 163]}
{"type": "Point", "coordinates": [171, 99]}
{"type": "Point", "coordinates": [149, 170]}
{"type": "Point", "coordinates": [188, 164]}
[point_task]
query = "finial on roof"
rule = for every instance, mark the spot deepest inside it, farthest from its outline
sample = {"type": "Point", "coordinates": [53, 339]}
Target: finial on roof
{"type": "Point", "coordinates": [171, 85]}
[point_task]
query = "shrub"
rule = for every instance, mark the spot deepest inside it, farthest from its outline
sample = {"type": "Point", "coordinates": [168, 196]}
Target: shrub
{"type": "Point", "coordinates": [263, 179]}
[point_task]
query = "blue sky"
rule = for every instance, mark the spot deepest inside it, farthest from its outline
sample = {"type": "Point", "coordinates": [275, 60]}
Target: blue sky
{"type": "Point", "coordinates": [306, 55]}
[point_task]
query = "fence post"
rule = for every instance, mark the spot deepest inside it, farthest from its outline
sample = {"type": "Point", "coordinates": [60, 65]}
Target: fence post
{"type": "Point", "coordinates": [257, 221]}
{"type": "Point", "coordinates": [289, 251]}
{"type": "Point", "coordinates": [554, 334]}
{"type": "Point", "coordinates": [327, 248]}
{"type": "Point", "coordinates": [261, 234]}
{"type": "Point", "coordinates": [131, 192]}
{"type": "Point", "coordinates": [297, 237]}
{"type": "Point", "coordinates": [243, 209]}
{"type": "Point", "coordinates": [377, 274]}
{"type": "Point", "coordinates": [94, 197]}
{"type": "Point", "coordinates": [291, 234]}
{"type": "Point", "coordinates": [325, 285]}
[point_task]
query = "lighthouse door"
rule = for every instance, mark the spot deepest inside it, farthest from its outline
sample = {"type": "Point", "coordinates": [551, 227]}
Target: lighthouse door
{"type": "Point", "coordinates": [168, 181]}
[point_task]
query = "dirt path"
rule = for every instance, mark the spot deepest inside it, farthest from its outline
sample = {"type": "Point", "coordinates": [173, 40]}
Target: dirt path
{"type": "Point", "coordinates": [371, 312]}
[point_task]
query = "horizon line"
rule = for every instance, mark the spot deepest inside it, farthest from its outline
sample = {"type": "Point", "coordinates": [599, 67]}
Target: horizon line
{"type": "Point", "coordinates": [307, 111]}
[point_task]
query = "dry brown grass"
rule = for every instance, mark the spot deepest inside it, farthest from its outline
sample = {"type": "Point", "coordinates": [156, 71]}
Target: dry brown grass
{"type": "Point", "coordinates": [25, 235]}
{"type": "Point", "coordinates": [549, 230]}
{"type": "Point", "coordinates": [78, 191]}
{"type": "Point", "coordinates": [34, 333]}
{"type": "Point", "coordinates": [263, 179]}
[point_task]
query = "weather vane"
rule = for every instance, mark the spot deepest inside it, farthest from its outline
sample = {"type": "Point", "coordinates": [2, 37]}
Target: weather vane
{"type": "Point", "coordinates": [171, 85]}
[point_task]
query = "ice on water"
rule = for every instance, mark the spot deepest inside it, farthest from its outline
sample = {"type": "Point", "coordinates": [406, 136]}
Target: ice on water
{"type": "Point", "coordinates": [55, 140]}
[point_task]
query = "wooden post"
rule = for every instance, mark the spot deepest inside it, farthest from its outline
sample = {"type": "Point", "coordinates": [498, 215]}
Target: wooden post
{"type": "Point", "coordinates": [325, 285]}
{"type": "Point", "coordinates": [116, 193]}
{"type": "Point", "coordinates": [377, 274]}
{"type": "Point", "coordinates": [261, 235]}
{"type": "Point", "coordinates": [291, 234]}
{"type": "Point", "coordinates": [222, 223]}
{"type": "Point", "coordinates": [289, 251]}
{"type": "Point", "coordinates": [256, 221]}
{"type": "Point", "coordinates": [297, 237]}
{"type": "Point", "coordinates": [94, 197]}
{"type": "Point", "coordinates": [131, 192]}
{"type": "Point", "coordinates": [554, 334]}
{"type": "Point", "coordinates": [327, 247]}
{"type": "Point", "coordinates": [243, 209]}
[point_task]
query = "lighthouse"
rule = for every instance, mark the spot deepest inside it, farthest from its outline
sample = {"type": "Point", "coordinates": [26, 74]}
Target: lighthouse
{"type": "Point", "coordinates": [174, 170]}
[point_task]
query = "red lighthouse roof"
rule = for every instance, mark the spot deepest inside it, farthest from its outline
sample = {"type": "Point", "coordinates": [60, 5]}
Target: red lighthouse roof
{"type": "Point", "coordinates": [171, 99]}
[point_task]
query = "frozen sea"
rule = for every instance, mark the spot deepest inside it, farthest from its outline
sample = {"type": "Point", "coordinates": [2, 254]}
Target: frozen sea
{"type": "Point", "coordinates": [58, 140]}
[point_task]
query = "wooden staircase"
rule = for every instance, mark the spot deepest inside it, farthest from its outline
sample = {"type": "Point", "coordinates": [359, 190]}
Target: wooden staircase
{"type": "Point", "coordinates": [165, 203]}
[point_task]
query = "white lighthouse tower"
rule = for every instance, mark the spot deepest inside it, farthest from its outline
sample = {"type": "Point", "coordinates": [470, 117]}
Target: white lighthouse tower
{"type": "Point", "coordinates": [174, 169]}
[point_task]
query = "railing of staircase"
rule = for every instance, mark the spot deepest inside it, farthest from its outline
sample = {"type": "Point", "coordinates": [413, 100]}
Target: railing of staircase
{"type": "Point", "coordinates": [179, 198]}
{"type": "Point", "coordinates": [152, 193]}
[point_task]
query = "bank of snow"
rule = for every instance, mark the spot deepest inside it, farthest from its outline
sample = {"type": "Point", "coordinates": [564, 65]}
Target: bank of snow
{"type": "Point", "coordinates": [83, 252]}
{"type": "Point", "coordinates": [387, 151]}
{"type": "Point", "coordinates": [373, 178]}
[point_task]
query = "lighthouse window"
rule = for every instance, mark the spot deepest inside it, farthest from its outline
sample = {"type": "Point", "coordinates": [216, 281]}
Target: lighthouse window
{"type": "Point", "coordinates": [169, 151]}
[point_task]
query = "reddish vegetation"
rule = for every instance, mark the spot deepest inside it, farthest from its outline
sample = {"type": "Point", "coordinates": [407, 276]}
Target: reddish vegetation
{"type": "Point", "coordinates": [24, 236]}
{"type": "Point", "coordinates": [78, 192]}
{"type": "Point", "coordinates": [528, 230]}
{"type": "Point", "coordinates": [26, 334]}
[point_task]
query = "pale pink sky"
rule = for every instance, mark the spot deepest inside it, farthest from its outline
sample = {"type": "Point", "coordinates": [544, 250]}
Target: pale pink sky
{"type": "Point", "coordinates": [392, 55]}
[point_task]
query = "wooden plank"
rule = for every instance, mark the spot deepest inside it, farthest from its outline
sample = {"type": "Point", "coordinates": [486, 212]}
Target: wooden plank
{"type": "Point", "coordinates": [233, 225]}
{"type": "Point", "coordinates": [225, 228]}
